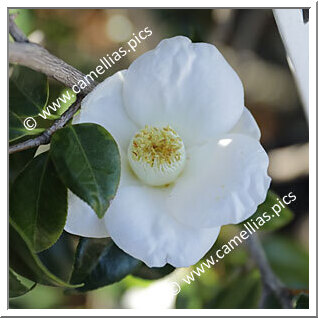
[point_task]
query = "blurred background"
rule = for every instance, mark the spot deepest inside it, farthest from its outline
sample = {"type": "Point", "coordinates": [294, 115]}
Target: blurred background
{"type": "Point", "coordinates": [250, 41]}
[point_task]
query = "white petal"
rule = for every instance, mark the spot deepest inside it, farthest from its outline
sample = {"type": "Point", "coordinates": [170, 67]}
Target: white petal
{"type": "Point", "coordinates": [139, 224]}
{"type": "Point", "coordinates": [247, 125]}
{"type": "Point", "coordinates": [104, 106]}
{"type": "Point", "coordinates": [82, 220]}
{"type": "Point", "coordinates": [187, 85]}
{"type": "Point", "coordinates": [223, 183]}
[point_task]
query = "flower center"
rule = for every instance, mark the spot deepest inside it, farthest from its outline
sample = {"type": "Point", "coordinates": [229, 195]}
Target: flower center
{"type": "Point", "coordinates": [157, 155]}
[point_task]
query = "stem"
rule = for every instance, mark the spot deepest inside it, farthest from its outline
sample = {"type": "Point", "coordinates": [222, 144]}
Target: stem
{"type": "Point", "coordinates": [15, 32]}
{"type": "Point", "coordinates": [46, 136]}
{"type": "Point", "coordinates": [39, 59]}
{"type": "Point", "coordinates": [270, 282]}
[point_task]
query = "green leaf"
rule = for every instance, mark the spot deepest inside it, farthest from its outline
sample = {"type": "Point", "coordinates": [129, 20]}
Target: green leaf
{"type": "Point", "coordinates": [59, 258]}
{"type": "Point", "coordinates": [38, 203]}
{"type": "Point", "coordinates": [18, 161]}
{"type": "Point", "coordinates": [16, 288]}
{"type": "Point", "coordinates": [242, 291]}
{"type": "Point", "coordinates": [24, 261]}
{"type": "Point", "coordinates": [28, 91]}
{"type": "Point", "coordinates": [289, 261]}
{"type": "Point", "coordinates": [28, 94]}
{"type": "Point", "coordinates": [99, 262]}
{"type": "Point", "coordinates": [63, 96]}
{"type": "Point", "coordinates": [17, 129]}
{"type": "Point", "coordinates": [282, 218]}
{"type": "Point", "coordinates": [88, 162]}
{"type": "Point", "coordinates": [270, 301]}
{"type": "Point", "coordinates": [146, 272]}
{"type": "Point", "coordinates": [301, 301]}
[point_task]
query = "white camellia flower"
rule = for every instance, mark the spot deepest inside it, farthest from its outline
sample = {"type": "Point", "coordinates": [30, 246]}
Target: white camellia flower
{"type": "Point", "coordinates": [190, 154]}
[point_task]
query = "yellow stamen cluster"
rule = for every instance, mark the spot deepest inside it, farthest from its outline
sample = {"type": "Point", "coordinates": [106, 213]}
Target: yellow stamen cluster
{"type": "Point", "coordinates": [156, 146]}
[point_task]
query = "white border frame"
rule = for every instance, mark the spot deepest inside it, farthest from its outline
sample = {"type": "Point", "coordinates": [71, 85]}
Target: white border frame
{"type": "Point", "coordinates": [312, 161]}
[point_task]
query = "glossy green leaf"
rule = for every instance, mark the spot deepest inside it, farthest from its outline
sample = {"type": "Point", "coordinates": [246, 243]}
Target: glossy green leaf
{"type": "Point", "coordinates": [18, 161]}
{"type": "Point", "coordinates": [24, 261]}
{"type": "Point", "coordinates": [16, 287]}
{"type": "Point", "coordinates": [289, 261]}
{"type": "Point", "coordinates": [272, 221]}
{"type": "Point", "coordinates": [17, 129]}
{"type": "Point", "coordinates": [301, 301]}
{"type": "Point", "coordinates": [146, 272]}
{"type": "Point", "coordinates": [38, 203]}
{"type": "Point", "coordinates": [28, 91]}
{"type": "Point", "coordinates": [62, 96]}
{"type": "Point", "coordinates": [59, 258]}
{"type": "Point", "coordinates": [99, 262]}
{"type": "Point", "coordinates": [28, 94]}
{"type": "Point", "coordinates": [88, 162]}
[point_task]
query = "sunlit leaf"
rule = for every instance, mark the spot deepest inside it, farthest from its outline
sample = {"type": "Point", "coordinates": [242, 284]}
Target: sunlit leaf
{"type": "Point", "coordinates": [63, 97]}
